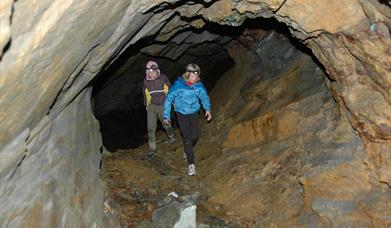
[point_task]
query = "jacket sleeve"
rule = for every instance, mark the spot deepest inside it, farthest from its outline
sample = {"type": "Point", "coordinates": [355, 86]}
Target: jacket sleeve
{"type": "Point", "coordinates": [166, 84]}
{"type": "Point", "coordinates": [168, 101]}
{"type": "Point", "coordinates": [145, 101]}
{"type": "Point", "coordinates": [205, 101]}
{"type": "Point", "coordinates": [147, 95]}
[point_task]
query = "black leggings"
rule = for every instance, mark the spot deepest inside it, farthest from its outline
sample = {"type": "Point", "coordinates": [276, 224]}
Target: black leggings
{"type": "Point", "coordinates": [189, 129]}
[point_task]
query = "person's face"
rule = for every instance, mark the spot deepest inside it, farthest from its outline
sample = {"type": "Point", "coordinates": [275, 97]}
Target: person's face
{"type": "Point", "coordinates": [152, 73]}
{"type": "Point", "coordinates": [193, 77]}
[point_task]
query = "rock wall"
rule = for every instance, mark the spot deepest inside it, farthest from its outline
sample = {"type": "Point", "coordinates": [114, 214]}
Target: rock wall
{"type": "Point", "coordinates": [54, 179]}
{"type": "Point", "coordinates": [49, 139]}
{"type": "Point", "coordinates": [51, 50]}
{"type": "Point", "coordinates": [55, 49]}
{"type": "Point", "coordinates": [288, 146]}
{"type": "Point", "coordinates": [352, 39]}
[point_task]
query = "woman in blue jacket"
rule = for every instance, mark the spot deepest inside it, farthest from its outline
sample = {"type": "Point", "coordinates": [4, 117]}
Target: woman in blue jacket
{"type": "Point", "coordinates": [186, 94]}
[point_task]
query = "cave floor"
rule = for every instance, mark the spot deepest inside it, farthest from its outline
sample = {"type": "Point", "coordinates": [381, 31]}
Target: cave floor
{"type": "Point", "coordinates": [135, 184]}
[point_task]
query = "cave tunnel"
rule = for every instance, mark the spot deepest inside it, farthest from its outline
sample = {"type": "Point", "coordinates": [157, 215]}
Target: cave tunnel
{"type": "Point", "coordinates": [123, 125]}
{"type": "Point", "coordinates": [117, 95]}
{"type": "Point", "coordinates": [300, 134]}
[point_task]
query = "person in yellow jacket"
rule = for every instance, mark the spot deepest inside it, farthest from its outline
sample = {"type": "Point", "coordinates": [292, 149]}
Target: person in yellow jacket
{"type": "Point", "coordinates": [156, 86]}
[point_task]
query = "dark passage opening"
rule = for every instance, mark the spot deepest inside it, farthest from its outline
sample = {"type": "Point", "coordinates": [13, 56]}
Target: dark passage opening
{"type": "Point", "coordinates": [269, 102]}
{"type": "Point", "coordinates": [117, 93]}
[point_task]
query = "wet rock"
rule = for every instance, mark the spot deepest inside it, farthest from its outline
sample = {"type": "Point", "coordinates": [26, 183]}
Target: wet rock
{"type": "Point", "coordinates": [176, 212]}
{"type": "Point", "coordinates": [381, 29]}
{"type": "Point", "coordinates": [49, 56]}
{"type": "Point", "coordinates": [111, 215]}
{"type": "Point", "coordinates": [192, 199]}
{"type": "Point", "coordinates": [61, 170]}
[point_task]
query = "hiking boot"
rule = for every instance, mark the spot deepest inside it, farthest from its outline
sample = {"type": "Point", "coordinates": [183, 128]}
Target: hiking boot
{"type": "Point", "coordinates": [191, 171]}
{"type": "Point", "coordinates": [184, 156]}
{"type": "Point", "coordinates": [172, 140]}
{"type": "Point", "coordinates": [151, 154]}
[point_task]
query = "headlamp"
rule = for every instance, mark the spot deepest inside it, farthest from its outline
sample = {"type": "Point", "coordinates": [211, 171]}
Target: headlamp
{"type": "Point", "coordinates": [194, 72]}
{"type": "Point", "coordinates": [151, 69]}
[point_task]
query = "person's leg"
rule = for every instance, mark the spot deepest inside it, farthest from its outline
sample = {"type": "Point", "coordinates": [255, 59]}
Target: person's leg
{"type": "Point", "coordinates": [194, 137]}
{"type": "Point", "coordinates": [195, 129]}
{"type": "Point", "coordinates": [168, 128]}
{"type": "Point", "coordinates": [151, 126]}
{"type": "Point", "coordinates": [187, 132]}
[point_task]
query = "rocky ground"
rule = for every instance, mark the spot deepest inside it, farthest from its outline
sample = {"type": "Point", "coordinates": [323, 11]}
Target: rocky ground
{"type": "Point", "coordinates": [135, 185]}
{"type": "Point", "coordinates": [279, 152]}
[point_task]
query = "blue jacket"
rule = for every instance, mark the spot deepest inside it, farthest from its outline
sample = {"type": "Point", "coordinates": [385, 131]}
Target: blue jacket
{"type": "Point", "coordinates": [186, 98]}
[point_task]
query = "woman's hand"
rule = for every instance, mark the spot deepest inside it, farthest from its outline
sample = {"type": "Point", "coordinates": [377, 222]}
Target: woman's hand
{"type": "Point", "coordinates": [208, 116]}
{"type": "Point", "coordinates": [166, 121]}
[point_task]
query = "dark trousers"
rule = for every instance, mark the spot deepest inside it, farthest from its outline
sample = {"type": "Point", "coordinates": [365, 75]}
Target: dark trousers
{"type": "Point", "coordinates": [188, 125]}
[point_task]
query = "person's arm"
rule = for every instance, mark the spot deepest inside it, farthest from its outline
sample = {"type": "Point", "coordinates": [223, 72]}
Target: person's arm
{"type": "Point", "coordinates": [147, 95]}
{"type": "Point", "coordinates": [167, 81]}
{"type": "Point", "coordinates": [203, 95]}
{"type": "Point", "coordinates": [205, 101]}
{"type": "Point", "coordinates": [167, 103]}
{"type": "Point", "coordinates": [166, 84]}
{"type": "Point", "coordinates": [144, 94]}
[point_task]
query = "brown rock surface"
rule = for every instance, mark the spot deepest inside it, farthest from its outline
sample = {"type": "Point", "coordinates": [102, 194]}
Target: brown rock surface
{"type": "Point", "coordinates": [51, 50]}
